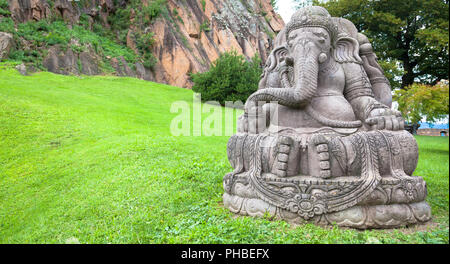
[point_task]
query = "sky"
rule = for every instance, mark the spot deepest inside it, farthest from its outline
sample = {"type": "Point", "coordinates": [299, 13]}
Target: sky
{"type": "Point", "coordinates": [286, 8]}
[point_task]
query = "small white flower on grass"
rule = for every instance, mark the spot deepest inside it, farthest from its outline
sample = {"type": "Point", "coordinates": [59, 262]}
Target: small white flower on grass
{"type": "Point", "coordinates": [373, 240]}
{"type": "Point", "coordinates": [72, 240]}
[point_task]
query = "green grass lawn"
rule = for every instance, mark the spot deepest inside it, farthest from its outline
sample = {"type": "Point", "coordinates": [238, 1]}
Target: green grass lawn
{"type": "Point", "coordinates": [92, 160]}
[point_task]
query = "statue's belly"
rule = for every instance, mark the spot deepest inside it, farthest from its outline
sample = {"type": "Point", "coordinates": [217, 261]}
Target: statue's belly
{"type": "Point", "coordinates": [292, 117]}
{"type": "Point", "coordinates": [334, 107]}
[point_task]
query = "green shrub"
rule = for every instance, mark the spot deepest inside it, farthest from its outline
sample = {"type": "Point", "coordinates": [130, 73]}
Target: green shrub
{"type": "Point", "coordinates": [121, 19]}
{"type": "Point", "coordinates": [154, 9]}
{"type": "Point", "coordinates": [203, 2]}
{"type": "Point", "coordinates": [149, 60]}
{"type": "Point", "coordinates": [144, 15]}
{"type": "Point", "coordinates": [84, 21]}
{"type": "Point", "coordinates": [4, 9]}
{"type": "Point", "coordinates": [205, 27]}
{"type": "Point", "coordinates": [145, 42]}
{"type": "Point", "coordinates": [231, 78]}
{"type": "Point", "coordinates": [6, 24]}
{"type": "Point", "coordinates": [17, 55]}
{"type": "Point", "coordinates": [43, 32]}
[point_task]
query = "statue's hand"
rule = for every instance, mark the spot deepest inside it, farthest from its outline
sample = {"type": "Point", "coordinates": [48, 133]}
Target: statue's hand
{"type": "Point", "coordinates": [370, 67]}
{"type": "Point", "coordinates": [242, 124]}
{"type": "Point", "coordinates": [385, 118]}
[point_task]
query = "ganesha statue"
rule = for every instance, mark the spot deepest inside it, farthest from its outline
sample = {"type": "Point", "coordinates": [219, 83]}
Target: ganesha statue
{"type": "Point", "coordinates": [318, 141]}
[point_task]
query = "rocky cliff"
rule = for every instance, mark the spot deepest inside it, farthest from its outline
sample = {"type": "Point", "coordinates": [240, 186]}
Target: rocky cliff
{"type": "Point", "coordinates": [157, 40]}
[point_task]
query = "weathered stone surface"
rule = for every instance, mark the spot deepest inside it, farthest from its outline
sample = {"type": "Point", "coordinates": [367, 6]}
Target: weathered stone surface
{"type": "Point", "coordinates": [67, 10]}
{"type": "Point", "coordinates": [25, 10]}
{"type": "Point", "coordinates": [275, 21]}
{"type": "Point", "coordinates": [66, 61]}
{"type": "Point", "coordinates": [121, 66]}
{"type": "Point", "coordinates": [131, 43]}
{"type": "Point", "coordinates": [6, 43]}
{"type": "Point", "coordinates": [88, 63]}
{"type": "Point", "coordinates": [143, 73]}
{"type": "Point", "coordinates": [332, 149]}
{"type": "Point", "coordinates": [231, 27]}
{"type": "Point", "coordinates": [22, 69]}
{"type": "Point", "coordinates": [61, 61]}
{"type": "Point", "coordinates": [360, 217]}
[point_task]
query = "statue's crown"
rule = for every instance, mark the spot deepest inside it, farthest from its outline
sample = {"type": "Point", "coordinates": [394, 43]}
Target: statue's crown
{"type": "Point", "coordinates": [312, 16]}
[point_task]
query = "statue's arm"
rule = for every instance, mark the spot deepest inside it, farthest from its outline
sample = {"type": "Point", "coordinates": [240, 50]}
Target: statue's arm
{"type": "Point", "coordinates": [380, 84]}
{"type": "Point", "coordinates": [358, 91]}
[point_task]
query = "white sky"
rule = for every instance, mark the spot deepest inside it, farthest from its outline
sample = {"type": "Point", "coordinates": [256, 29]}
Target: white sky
{"type": "Point", "coordinates": [286, 8]}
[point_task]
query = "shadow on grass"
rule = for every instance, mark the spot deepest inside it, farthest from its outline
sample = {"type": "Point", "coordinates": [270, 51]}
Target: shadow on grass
{"type": "Point", "coordinates": [434, 151]}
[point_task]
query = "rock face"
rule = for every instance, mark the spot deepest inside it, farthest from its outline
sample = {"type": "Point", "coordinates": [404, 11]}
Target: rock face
{"type": "Point", "coordinates": [188, 38]}
{"type": "Point", "coordinates": [68, 62]}
{"type": "Point", "coordinates": [332, 151]}
{"type": "Point", "coordinates": [200, 33]}
{"type": "Point", "coordinates": [6, 42]}
{"type": "Point", "coordinates": [25, 10]}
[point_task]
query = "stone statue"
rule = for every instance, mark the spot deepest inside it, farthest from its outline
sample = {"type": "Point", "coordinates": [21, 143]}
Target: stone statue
{"type": "Point", "coordinates": [318, 140]}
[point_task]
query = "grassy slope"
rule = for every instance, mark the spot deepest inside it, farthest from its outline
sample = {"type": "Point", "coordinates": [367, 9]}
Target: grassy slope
{"type": "Point", "coordinates": [91, 159]}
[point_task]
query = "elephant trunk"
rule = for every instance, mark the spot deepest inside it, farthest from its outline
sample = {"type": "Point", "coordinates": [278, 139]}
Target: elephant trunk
{"type": "Point", "coordinates": [306, 73]}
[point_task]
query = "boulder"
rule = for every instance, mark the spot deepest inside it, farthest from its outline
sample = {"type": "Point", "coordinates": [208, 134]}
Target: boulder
{"type": "Point", "coordinates": [143, 73]}
{"type": "Point", "coordinates": [66, 61]}
{"type": "Point", "coordinates": [22, 69]}
{"type": "Point", "coordinates": [6, 43]}
{"type": "Point", "coordinates": [88, 63]}
{"type": "Point", "coordinates": [121, 67]}
{"type": "Point", "coordinates": [60, 61]}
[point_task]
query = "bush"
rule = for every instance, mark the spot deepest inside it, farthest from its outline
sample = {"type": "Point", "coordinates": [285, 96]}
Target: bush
{"type": "Point", "coordinates": [4, 9]}
{"type": "Point", "coordinates": [154, 9]}
{"type": "Point", "coordinates": [231, 78]}
{"type": "Point", "coordinates": [149, 60]}
{"type": "Point", "coordinates": [6, 24]}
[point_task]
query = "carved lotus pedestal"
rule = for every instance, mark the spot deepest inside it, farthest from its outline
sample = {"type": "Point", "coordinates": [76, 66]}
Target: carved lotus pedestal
{"type": "Point", "coordinates": [380, 194]}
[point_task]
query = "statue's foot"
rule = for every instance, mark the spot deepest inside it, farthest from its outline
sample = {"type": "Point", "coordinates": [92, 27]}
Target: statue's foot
{"type": "Point", "coordinates": [283, 148]}
{"type": "Point", "coordinates": [320, 157]}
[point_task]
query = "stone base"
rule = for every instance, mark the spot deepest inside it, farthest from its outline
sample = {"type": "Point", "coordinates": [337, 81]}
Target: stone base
{"type": "Point", "coordinates": [373, 189]}
{"type": "Point", "coordinates": [359, 216]}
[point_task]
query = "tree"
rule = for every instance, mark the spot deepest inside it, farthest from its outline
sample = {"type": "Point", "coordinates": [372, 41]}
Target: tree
{"type": "Point", "coordinates": [420, 101]}
{"type": "Point", "coordinates": [274, 4]}
{"type": "Point", "coordinates": [230, 78]}
{"type": "Point", "coordinates": [410, 37]}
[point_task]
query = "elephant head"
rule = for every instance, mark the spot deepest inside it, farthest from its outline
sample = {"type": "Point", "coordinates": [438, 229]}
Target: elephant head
{"type": "Point", "coordinates": [312, 38]}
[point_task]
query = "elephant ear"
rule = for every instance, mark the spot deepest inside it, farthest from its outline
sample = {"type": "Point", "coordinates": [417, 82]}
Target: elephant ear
{"type": "Point", "coordinates": [273, 59]}
{"type": "Point", "coordinates": [273, 64]}
{"type": "Point", "coordinates": [347, 50]}
{"type": "Point", "coordinates": [277, 56]}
